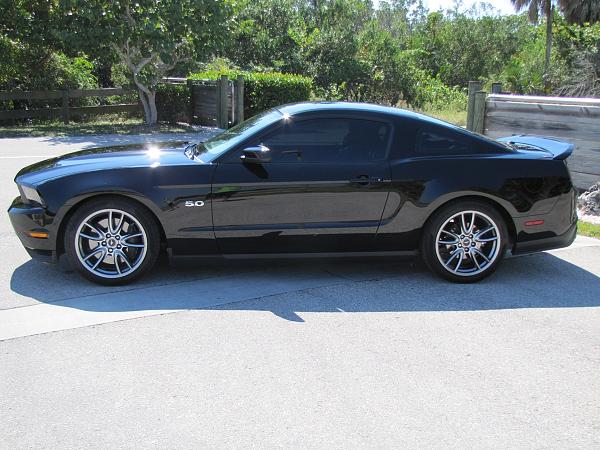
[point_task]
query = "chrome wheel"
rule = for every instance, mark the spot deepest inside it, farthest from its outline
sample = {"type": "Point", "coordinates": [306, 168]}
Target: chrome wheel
{"type": "Point", "coordinates": [468, 243]}
{"type": "Point", "coordinates": [111, 243]}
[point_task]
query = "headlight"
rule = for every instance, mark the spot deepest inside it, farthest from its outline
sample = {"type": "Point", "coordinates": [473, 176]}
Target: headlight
{"type": "Point", "coordinates": [29, 194]}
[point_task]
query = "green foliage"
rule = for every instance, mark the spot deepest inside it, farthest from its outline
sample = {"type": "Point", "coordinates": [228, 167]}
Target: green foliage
{"type": "Point", "coordinates": [265, 90]}
{"type": "Point", "coordinates": [459, 48]}
{"type": "Point", "coordinates": [150, 37]}
{"type": "Point", "coordinates": [392, 51]}
{"type": "Point", "coordinates": [166, 30]}
{"type": "Point", "coordinates": [432, 93]}
{"type": "Point", "coordinates": [329, 43]}
{"type": "Point", "coordinates": [219, 64]}
{"type": "Point", "coordinates": [353, 52]}
{"type": "Point", "coordinates": [384, 77]}
{"type": "Point", "coordinates": [72, 73]}
{"type": "Point", "coordinates": [173, 103]}
{"type": "Point", "coordinates": [524, 73]}
{"type": "Point", "coordinates": [54, 71]}
{"type": "Point", "coordinates": [121, 76]}
{"type": "Point", "coordinates": [11, 62]}
{"type": "Point", "coordinates": [578, 48]}
{"type": "Point", "coordinates": [264, 34]}
{"type": "Point", "coordinates": [31, 24]}
{"type": "Point", "coordinates": [390, 75]}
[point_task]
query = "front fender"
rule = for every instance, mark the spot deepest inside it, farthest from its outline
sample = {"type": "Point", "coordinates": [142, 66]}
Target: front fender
{"type": "Point", "coordinates": [163, 192]}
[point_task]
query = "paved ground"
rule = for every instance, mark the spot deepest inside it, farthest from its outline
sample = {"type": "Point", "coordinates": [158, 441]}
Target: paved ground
{"type": "Point", "coordinates": [329, 354]}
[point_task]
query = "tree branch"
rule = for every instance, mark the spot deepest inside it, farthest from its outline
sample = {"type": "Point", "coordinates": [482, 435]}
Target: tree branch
{"type": "Point", "coordinates": [128, 16]}
{"type": "Point", "coordinates": [143, 62]}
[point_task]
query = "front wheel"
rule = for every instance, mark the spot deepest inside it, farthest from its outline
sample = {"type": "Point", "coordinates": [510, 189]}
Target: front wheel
{"type": "Point", "coordinates": [464, 242]}
{"type": "Point", "coordinates": [112, 241]}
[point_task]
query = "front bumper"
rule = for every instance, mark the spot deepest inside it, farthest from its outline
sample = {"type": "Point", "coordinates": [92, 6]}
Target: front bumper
{"type": "Point", "coordinates": [26, 218]}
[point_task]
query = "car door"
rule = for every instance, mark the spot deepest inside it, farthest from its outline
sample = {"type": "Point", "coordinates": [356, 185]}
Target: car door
{"type": "Point", "coordinates": [324, 189]}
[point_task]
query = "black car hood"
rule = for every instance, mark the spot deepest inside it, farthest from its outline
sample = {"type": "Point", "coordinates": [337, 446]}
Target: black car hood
{"type": "Point", "coordinates": [105, 158]}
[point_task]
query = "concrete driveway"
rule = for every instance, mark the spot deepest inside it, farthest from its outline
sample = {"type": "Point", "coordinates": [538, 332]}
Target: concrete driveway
{"type": "Point", "coordinates": [368, 353]}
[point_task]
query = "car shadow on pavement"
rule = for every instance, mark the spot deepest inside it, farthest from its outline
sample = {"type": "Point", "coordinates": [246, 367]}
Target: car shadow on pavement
{"type": "Point", "coordinates": [289, 288]}
{"type": "Point", "coordinates": [534, 281]}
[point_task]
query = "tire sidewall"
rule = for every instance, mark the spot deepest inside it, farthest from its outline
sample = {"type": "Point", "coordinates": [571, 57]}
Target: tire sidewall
{"type": "Point", "coordinates": [428, 241]}
{"type": "Point", "coordinates": [139, 212]}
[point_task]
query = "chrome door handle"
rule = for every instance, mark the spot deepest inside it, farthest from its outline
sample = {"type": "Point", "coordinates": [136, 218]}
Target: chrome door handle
{"type": "Point", "coordinates": [363, 180]}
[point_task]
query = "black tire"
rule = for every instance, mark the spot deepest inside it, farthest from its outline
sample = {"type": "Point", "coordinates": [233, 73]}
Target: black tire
{"type": "Point", "coordinates": [139, 254]}
{"type": "Point", "coordinates": [469, 250]}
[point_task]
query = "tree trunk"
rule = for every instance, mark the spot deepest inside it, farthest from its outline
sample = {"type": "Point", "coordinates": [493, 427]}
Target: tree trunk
{"type": "Point", "coordinates": [549, 18]}
{"type": "Point", "coordinates": [152, 106]}
{"type": "Point", "coordinates": [148, 99]}
{"type": "Point", "coordinates": [144, 102]}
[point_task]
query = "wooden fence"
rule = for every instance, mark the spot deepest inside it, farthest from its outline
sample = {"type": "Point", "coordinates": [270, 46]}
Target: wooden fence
{"type": "Point", "coordinates": [65, 111]}
{"type": "Point", "coordinates": [575, 120]}
{"type": "Point", "coordinates": [212, 102]}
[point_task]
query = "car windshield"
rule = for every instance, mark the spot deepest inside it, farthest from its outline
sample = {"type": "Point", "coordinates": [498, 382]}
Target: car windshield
{"type": "Point", "coordinates": [209, 150]}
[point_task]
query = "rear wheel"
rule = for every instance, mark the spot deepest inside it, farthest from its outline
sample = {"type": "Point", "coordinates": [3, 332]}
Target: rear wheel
{"type": "Point", "coordinates": [464, 242]}
{"type": "Point", "coordinates": [112, 241]}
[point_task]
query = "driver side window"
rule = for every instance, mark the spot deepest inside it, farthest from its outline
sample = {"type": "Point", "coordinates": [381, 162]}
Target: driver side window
{"type": "Point", "coordinates": [327, 140]}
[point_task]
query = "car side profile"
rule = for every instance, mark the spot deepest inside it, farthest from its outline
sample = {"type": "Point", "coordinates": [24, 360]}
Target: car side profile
{"type": "Point", "coordinates": [308, 179]}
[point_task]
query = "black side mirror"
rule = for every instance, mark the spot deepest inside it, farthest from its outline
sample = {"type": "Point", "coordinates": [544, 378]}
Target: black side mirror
{"type": "Point", "coordinates": [256, 155]}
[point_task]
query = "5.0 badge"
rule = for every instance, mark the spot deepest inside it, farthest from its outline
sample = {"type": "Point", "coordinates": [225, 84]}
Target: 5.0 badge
{"type": "Point", "coordinates": [190, 203]}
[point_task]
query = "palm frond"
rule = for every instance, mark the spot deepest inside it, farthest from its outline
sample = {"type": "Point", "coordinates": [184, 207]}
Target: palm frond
{"type": "Point", "coordinates": [580, 11]}
{"type": "Point", "coordinates": [521, 4]}
{"type": "Point", "coordinates": [533, 12]}
{"type": "Point", "coordinates": [534, 7]}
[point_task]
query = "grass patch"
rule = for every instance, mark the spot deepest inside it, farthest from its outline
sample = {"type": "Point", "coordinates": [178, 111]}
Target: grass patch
{"type": "Point", "coordinates": [588, 229]}
{"type": "Point", "coordinates": [101, 126]}
{"type": "Point", "coordinates": [457, 117]}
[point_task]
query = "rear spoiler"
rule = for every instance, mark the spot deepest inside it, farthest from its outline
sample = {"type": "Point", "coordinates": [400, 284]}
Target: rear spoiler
{"type": "Point", "coordinates": [555, 148]}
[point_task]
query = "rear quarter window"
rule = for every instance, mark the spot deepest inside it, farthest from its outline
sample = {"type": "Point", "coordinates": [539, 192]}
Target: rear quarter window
{"type": "Point", "coordinates": [441, 142]}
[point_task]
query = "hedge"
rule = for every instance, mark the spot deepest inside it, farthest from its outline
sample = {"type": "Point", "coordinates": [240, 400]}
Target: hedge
{"type": "Point", "coordinates": [172, 103]}
{"type": "Point", "coordinates": [265, 90]}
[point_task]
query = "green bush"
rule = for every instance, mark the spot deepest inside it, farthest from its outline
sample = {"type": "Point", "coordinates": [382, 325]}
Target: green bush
{"type": "Point", "coordinates": [265, 90]}
{"type": "Point", "coordinates": [434, 94]}
{"type": "Point", "coordinates": [20, 71]}
{"type": "Point", "coordinates": [173, 103]}
{"type": "Point", "coordinates": [524, 72]}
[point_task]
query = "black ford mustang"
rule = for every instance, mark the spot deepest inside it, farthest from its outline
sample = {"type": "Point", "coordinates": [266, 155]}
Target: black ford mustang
{"type": "Point", "coordinates": [309, 179]}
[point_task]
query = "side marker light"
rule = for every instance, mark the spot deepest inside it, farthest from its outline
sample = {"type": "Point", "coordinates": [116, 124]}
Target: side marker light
{"type": "Point", "coordinates": [38, 234]}
{"type": "Point", "coordinates": [533, 223]}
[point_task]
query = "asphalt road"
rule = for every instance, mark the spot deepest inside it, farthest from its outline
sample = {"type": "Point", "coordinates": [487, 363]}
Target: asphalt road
{"type": "Point", "coordinates": [313, 354]}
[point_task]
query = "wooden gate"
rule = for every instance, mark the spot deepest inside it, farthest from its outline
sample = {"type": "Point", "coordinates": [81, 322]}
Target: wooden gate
{"type": "Point", "coordinates": [217, 103]}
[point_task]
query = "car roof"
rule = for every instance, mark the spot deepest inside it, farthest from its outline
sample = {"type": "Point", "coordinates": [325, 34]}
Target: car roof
{"type": "Point", "coordinates": [336, 107]}
{"type": "Point", "coordinates": [324, 106]}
